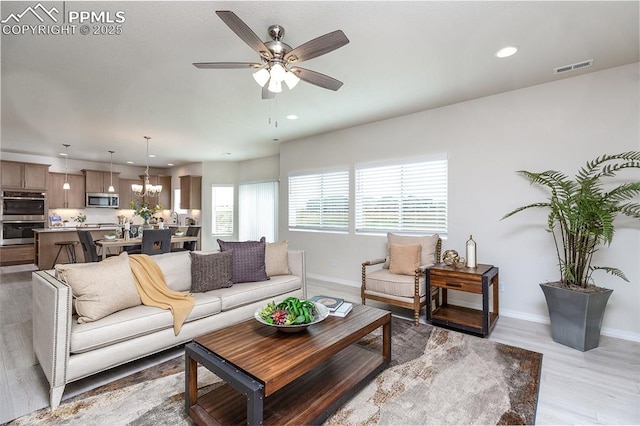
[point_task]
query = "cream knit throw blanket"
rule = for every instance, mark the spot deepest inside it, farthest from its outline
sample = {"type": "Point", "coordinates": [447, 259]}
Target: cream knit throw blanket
{"type": "Point", "coordinates": [154, 291]}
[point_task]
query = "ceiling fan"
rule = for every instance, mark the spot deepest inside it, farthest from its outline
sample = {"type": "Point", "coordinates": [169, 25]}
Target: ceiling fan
{"type": "Point", "coordinates": [278, 59]}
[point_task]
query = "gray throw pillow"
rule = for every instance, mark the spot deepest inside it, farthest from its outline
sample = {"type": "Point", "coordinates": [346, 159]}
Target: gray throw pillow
{"type": "Point", "coordinates": [248, 260]}
{"type": "Point", "coordinates": [210, 271]}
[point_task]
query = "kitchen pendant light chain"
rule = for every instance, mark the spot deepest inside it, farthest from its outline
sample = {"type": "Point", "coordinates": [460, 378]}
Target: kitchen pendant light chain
{"type": "Point", "coordinates": [111, 188]}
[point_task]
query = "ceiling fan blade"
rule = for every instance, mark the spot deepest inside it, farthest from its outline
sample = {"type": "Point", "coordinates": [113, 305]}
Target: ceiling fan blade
{"type": "Point", "coordinates": [244, 32]}
{"type": "Point", "coordinates": [317, 46]}
{"type": "Point", "coordinates": [226, 65]}
{"type": "Point", "coordinates": [317, 78]}
{"type": "Point", "coordinates": [266, 93]}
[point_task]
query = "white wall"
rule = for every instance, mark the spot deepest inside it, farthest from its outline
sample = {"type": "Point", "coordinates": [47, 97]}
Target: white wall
{"type": "Point", "coordinates": [559, 125]}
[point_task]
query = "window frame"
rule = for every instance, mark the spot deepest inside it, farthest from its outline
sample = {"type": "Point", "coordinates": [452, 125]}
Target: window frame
{"type": "Point", "coordinates": [214, 209]}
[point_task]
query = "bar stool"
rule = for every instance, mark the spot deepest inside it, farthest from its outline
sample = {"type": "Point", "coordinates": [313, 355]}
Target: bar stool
{"type": "Point", "coordinates": [70, 248]}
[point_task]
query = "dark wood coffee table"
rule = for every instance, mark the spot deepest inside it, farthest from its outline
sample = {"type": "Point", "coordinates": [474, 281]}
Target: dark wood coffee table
{"type": "Point", "coordinates": [273, 377]}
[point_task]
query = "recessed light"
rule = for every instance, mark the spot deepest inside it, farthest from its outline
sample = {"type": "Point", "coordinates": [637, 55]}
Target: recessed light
{"type": "Point", "coordinates": [226, 153]}
{"type": "Point", "coordinates": [63, 154]}
{"type": "Point", "coordinates": [169, 164]}
{"type": "Point", "coordinates": [130, 162]}
{"type": "Point", "coordinates": [292, 117]}
{"type": "Point", "coordinates": [152, 156]}
{"type": "Point", "coordinates": [505, 52]}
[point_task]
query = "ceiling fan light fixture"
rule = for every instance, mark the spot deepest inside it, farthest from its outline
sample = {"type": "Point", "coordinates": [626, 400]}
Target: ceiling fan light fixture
{"type": "Point", "coordinates": [278, 72]}
{"type": "Point", "coordinates": [261, 76]}
{"type": "Point", "coordinates": [291, 79]}
{"type": "Point", "coordinates": [275, 86]}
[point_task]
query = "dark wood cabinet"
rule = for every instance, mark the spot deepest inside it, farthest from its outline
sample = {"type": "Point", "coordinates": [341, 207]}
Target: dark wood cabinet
{"type": "Point", "coordinates": [482, 280]}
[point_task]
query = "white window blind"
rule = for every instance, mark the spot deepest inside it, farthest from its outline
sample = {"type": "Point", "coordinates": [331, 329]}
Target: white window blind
{"type": "Point", "coordinates": [222, 210]}
{"type": "Point", "coordinates": [258, 211]}
{"type": "Point", "coordinates": [319, 201]}
{"type": "Point", "coordinates": [408, 198]}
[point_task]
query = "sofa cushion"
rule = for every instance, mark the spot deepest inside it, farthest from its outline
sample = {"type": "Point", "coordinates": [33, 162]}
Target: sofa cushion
{"type": "Point", "coordinates": [404, 259]}
{"type": "Point", "coordinates": [276, 258]}
{"type": "Point", "coordinates": [428, 243]}
{"type": "Point", "coordinates": [384, 282]}
{"type": "Point", "coordinates": [247, 260]}
{"type": "Point", "coordinates": [102, 288]}
{"type": "Point", "coordinates": [135, 322]}
{"type": "Point", "coordinates": [176, 268]}
{"type": "Point", "coordinates": [245, 293]}
{"type": "Point", "coordinates": [210, 271]}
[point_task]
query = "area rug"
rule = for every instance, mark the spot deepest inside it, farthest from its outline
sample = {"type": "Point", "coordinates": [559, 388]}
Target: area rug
{"type": "Point", "coordinates": [436, 376]}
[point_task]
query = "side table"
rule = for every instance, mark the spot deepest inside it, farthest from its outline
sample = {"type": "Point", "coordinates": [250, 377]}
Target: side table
{"type": "Point", "coordinates": [482, 280]}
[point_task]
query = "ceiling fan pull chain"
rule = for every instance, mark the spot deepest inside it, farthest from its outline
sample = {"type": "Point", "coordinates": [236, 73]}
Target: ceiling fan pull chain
{"type": "Point", "coordinates": [276, 112]}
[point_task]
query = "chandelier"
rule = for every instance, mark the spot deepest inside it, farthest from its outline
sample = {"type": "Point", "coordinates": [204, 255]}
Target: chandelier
{"type": "Point", "coordinates": [146, 190]}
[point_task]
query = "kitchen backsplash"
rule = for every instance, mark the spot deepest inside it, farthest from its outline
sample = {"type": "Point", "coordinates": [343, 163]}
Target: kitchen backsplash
{"type": "Point", "coordinates": [110, 216]}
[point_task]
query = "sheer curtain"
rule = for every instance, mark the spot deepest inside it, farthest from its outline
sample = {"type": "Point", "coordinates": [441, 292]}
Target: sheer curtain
{"type": "Point", "coordinates": [258, 211]}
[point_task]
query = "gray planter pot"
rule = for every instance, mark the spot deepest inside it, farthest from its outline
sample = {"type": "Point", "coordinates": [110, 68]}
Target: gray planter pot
{"type": "Point", "coordinates": [576, 318]}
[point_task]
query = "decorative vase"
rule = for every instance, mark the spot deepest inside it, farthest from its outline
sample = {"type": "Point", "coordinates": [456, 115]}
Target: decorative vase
{"type": "Point", "coordinates": [146, 224]}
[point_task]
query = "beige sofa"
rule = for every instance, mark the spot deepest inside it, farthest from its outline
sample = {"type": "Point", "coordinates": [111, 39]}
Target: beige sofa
{"type": "Point", "coordinates": [69, 351]}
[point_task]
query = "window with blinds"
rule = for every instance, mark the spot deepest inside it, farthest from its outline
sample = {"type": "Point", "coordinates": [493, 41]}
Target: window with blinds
{"type": "Point", "coordinates": [222, 210]}
{"type": "Point", "coordinates": [258, 211]}
{"type": "Point", "coordinates": [407, 198]}
{"type": "Point", "coordinates": [319, 201]}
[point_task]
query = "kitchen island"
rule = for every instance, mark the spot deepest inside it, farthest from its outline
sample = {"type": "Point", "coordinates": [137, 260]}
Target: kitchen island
{"type": "Point", "coordinates": [45, 243]}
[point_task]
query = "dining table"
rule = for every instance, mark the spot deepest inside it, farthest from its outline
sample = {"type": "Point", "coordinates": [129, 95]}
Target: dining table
{"type": "Point", "coordinates": [121, 242]}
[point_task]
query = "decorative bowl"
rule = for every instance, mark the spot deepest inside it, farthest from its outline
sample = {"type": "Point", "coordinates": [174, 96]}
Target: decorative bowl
{"type": "Point", "coordinates": [109, 237]}
{"type": "Point", "coordinates": [179, 233]}
{"type": "Point", "coordinates": [322, 312]}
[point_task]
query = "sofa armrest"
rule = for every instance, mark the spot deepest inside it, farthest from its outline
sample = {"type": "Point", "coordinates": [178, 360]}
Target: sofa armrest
{"type": "Point", "coordinates": [297, 266]}
{"type": "Point", "coordinates": [51, 317]}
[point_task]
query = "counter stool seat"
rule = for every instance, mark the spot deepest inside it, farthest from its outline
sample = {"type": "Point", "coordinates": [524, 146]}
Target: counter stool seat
{"type": "Point", "coordinates": [69, 247]}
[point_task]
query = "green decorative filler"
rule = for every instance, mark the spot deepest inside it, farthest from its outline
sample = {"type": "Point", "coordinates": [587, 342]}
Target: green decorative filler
{"type": "Point", "coordinates": [291, 311]}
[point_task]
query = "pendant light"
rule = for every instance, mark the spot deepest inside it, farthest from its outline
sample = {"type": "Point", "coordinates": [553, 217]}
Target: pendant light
{"type": "Point", "coordinates": [111, 189]}
{"type": "Point", "coordinates": [146, 190]}
{"type": "Point", "coordinates": [66, 167]}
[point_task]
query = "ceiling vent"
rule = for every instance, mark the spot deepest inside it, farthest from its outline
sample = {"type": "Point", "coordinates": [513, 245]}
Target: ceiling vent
{"type": "Point", "coordinates": [573, 67]}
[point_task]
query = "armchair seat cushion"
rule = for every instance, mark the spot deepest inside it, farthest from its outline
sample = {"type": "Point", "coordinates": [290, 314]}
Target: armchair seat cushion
{"type": "Point", "coordinates": [383, 281]}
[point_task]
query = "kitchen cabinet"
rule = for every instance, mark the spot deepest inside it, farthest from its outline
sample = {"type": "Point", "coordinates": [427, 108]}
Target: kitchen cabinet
{"type": "Point", "coordinates": [97, 181]}
{"type": "Point", "coordinates": [126, 194]}
{"type": "Point", "coordinates": [73, 198]}
{"type": "Point", "coordinates": [16, 175]}
{"type": "Point", "coordinates": [17, 255]}
{"type": "Point", "coordinates": [190, 192]}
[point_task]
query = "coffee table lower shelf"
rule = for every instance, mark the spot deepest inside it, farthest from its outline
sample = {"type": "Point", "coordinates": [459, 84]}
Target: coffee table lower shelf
{"type": "Point", "coordinates": [310, 399]}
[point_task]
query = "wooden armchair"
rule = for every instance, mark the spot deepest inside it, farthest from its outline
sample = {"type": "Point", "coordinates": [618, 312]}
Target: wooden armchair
{"type": "Point", "coordinates": [406, 291]}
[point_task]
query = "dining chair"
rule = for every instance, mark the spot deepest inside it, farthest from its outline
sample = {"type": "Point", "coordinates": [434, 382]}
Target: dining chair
{"type": "Point", "coordinates": [192, 231]}
{"type": "Point", "coordinates": [156, 241]}
{"type": "Point", "coordinates": [89, 248]}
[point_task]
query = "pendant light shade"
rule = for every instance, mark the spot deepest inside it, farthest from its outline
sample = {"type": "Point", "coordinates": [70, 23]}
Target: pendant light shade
{"type": "Point", "coordinates": [111, 188]}
{"type": "Point", "coordinates": [66, 167]}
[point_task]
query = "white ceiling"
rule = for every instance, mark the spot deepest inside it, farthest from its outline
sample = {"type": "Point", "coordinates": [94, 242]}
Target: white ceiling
{"type": "Point", "coordinates": [101, 92]}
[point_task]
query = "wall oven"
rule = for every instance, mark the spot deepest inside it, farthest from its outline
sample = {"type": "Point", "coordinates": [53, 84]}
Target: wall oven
{"type": "Point", "coordinates": [20, 213]}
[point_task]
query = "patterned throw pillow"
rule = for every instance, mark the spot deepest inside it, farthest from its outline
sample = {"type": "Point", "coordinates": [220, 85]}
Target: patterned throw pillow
{"type": "Point", "coordinates": [210, 271]}
{"type": "Point", "coordinates": [248, 263]}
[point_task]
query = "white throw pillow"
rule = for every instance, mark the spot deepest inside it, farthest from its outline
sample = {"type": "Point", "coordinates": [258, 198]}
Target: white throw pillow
{"type": "Point", "coordinates": [276, 258]}
{"type": "Point", "coordinates": [102, 288]}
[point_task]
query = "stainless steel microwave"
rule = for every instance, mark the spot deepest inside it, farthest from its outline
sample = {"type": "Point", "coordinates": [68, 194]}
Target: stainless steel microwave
{"type": "Point", "coordinates": [109, 201]}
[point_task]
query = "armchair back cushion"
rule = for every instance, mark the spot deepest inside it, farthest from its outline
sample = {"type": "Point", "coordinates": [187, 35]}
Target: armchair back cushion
{"type": "Point", "coordinates": [428, 244]}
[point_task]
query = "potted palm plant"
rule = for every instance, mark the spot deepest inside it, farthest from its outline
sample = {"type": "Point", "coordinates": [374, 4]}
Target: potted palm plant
{"type": "Point", "coordinates": [581, 220]}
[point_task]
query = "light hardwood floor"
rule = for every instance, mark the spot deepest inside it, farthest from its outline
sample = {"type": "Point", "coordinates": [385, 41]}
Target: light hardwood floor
{"type": "Point", "coordinates": [601, 386]}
